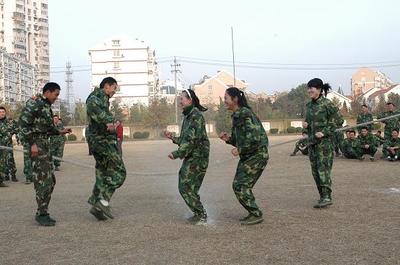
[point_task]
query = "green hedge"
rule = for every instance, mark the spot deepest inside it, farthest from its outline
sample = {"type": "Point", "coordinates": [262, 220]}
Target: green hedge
{"type": "Point", "coordinates": [299, 129]}
{"type": "Point", "coordinates": [291, 129]}
{"type": "Point", "coordinates": [71, 137]}
{"type": "Point", "coordinates": [274, 130]}
{"type": "Point", "coordinates": [141, 135]}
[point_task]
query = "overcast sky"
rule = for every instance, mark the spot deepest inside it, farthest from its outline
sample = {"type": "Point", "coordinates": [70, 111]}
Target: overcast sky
{"type": "Point", "coordinates": [281, 32]}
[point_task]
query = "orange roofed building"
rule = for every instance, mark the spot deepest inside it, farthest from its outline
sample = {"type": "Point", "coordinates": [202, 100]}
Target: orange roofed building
{"type": "Point", "coordinates": [212, 89]}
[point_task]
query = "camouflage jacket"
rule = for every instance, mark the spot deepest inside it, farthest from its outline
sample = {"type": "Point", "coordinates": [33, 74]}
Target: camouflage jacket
{"type": "Point", "coordinates": [7, 129]}
{"type": "Point", "coordinates": [193, 140]}
{"type": "Point", "coordinates": [248, 134]}
{"type": "Point", "coordinates": [321, 116]}
{"type": "Point", "coordinates": [58, 139]}
{"type": "Point", "coordinates": [351, 145]}
{"type": "Point", "coordinates": [303, 142]}
{"type": "Point", "coordinates": [392, 142]}
{"type": "Point", "coordinates": [361, 118]}
{"type": "Point", "coordinates": [36, 120]}
{"type": "Point", "coordinates": [390, 124]}
{"type": "Point", "coordinates": [369, 139]}
{"type": "Point", "coordinates": [379, 140]}
{"type": "Point", "coordinates": [98, 114]}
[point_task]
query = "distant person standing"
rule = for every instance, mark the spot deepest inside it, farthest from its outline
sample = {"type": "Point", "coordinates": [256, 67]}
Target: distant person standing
{"type": "Point", "coordinates": [390, 124]}
{"type": "Point", "coordinates": [365, 116]}
{"type": "Point", "coordinates": [120, 135]}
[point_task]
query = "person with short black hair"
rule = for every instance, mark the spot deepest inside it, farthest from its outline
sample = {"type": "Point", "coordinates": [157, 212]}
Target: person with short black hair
{"type": "Point", "coordinates": [379, 140]}
{"type": "Point", "coordinates": [36, 125]}
{"type": "Point", "coordinates": [251, 145]}
{"type": "Point", "coordinates": [110, 168]}
{"type": "Point", "coordinates": [367, 143]}
{"type": "Point", "coordinates": [391, 147]}
{"type": "Point", "coordinates": [365, 116]}
{"type": "Point", "coordinates": [8, 128]}
{"type": "Point", "coordinates": [390, 124]}
{"type": "Point", "coordinates": [351, 145]}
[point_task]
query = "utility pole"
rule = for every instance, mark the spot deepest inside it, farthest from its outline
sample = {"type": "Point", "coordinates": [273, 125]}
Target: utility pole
{"type": "Point", "coordinates": [70, 99]}
{"type": "Point", "coordinates": [233, 58]}
{"type": "Point", "coordinates": [175, 70]}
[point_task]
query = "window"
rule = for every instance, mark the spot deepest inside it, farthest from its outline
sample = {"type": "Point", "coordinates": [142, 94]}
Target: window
{"type": "Point", "coordinates": [116, 65]}
{"type": "Point", "coordinates": [117, 53]}
{"type": "Point", "coordinates": [115, 42]}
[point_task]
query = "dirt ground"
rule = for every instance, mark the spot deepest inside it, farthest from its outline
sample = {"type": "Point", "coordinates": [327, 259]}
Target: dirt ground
{"type": "Point", "coordinates": [362, 227]}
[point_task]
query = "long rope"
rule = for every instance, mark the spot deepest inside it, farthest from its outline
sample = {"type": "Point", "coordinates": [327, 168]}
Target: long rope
{"type": "Point", "coordinates": [214, 164]}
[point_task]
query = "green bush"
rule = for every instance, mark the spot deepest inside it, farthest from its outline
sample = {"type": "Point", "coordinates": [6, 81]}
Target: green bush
{"type": "Point", "coordinates": [376, 126]}
{"type": "Point", "coordinates": [299, 129]}
{"type": "Point", "coordinates": [274, 130]}
{"type": "Point", "coordinates": [141, 135]}
{"type": "Point", "coordinates": [291, 129]}
{"type": "Point", "coordinates": [71, 137]}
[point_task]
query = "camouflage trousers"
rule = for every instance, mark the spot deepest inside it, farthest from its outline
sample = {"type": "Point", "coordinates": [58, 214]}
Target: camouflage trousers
{"type": "Point", "coordinates": [110, 169]}
{"type": "Point", "coordinates": [57, 149]}
{"type": "Point", "coordinates": [351, 153]}
{"type": "Point", "coordinates": [43, 176]}
{"type": "Point", "coordinates": [321, 158]}
{"type": "Point", "coordinates": [247, 174]}
{"type": "Point", "coordinates": [11, 169]}
{"type": "Point", "coordinates": [338, 141]}
{"type": "Point", "coordinates": [27, 162]}
{"type": "Point", "coordinates": [297, 148]}
{"type": "Point", "coordinates": [369, 151]}
{"type": "Point", "coordinates": [2, 165]}
{"type": "Point", "coordinates": [387, 153]}
{"type": "Point", "coordinates": [191, 177]}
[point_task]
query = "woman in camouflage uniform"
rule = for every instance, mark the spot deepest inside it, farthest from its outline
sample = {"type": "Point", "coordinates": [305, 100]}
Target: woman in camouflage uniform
{"type": "Point", "coordinates": [320, 123]}
{"type": "Point", "coordinates": [251, 142]}
{"type": "Point", "coordinates": [194, 149]}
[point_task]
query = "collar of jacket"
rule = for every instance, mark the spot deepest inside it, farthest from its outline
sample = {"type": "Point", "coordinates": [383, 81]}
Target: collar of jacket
{"type": "Point", "coordinates": [41, 96]}
{"type": "Point", "coordinates": [188, 110]}
{"type": "Point", "coordinates": [236, 114]}
{"type": "Point", "coordinates": [318, 99]}
{"type": "Point", "coordinates": [102, 93]}
{"type": "Point", "coordinates": [3, 120]}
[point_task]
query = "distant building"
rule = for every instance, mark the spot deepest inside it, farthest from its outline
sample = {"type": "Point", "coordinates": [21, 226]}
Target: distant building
{"type": "Point", "coordinates": [365, 79]}
{"type": "Point", "coordinates": [211, 89]}
{"type": "Point", "coordinates": [24, 32]}
{"type": "Point", "coordinates": [341, 98]}
{"type": "Point", "coordinates": [132, 63]}
{"type": "Point", "coordinates": [17, 79]}
{"type": "Point", "coordinates": [167, 90]}
{"type": "Point", "coordinates": [374, 98]}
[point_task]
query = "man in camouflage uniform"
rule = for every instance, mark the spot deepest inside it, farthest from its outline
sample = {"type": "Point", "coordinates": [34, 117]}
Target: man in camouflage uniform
{"type": "Point", "coordinates": [365, 116]}
{"type": "Point", "coordinates": [36, 124]}
{"type": "Point", "coordinates": [351, 146]}
{"type": "Point", "coordinates": [301, 145]}
{"type": "Point", "coordinates": [110, 168]}
{"type": "Point", "coordinates": [57, 143]}
{"type": "Point", "coordinates": [8, 128]}
{"type": "Point", "coordinates": [391, 147]}
{"type": "Point", "coordinates": [390, 124]}
{"type": "Point", "coordinates": [4, 134]}
{"type": "Point", "coordinates": [367, 143]}
{"type": "Point", "coordinates": [379, 140]}
{"type": "Point", "coordinates": [338, 136]}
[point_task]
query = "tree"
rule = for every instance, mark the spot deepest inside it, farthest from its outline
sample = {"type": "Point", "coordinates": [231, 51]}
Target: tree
{"type": "Point", "coordinates": [64, 114]}
{"type": "Point", "coordinates": [137, 113]}
{"type": "Point", "coordinates": [381, 107]}
{"type": "Point", "coordinates": [344, 110]}
{"type": "Point", "coordinates": [117, 111]}
{"type": "Point", "coordinates": [336, 102]}
{"type": "Point", "coordinates": [394, 98]}
{"type": "Point", "coordinates": [223, 122]}
{"type": "Point", "coordinates": [298, 98]}
{"type": "Point", "coordinates": [356, 106]}
{"type": "Point", "coordinates": [159, 114]}
{"type": "Point", "coordinates": [80, 114]}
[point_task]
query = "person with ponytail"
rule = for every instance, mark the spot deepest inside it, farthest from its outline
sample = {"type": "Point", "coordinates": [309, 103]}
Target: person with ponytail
{"type": "Point", "coordinates": [194, 149]}
{"type": "Point", "coordinates": [251, 145]}
{"type": "Point", "coordinates": [320, 122]}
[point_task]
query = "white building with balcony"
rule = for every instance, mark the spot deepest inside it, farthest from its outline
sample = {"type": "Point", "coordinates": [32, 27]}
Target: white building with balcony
{"type": "Point", "coordinates": [132, 63]}
{"type": "Point", "coordinates": [17, 79]}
